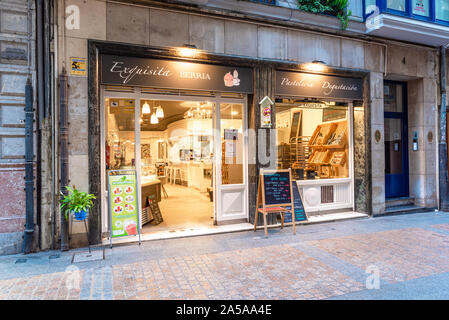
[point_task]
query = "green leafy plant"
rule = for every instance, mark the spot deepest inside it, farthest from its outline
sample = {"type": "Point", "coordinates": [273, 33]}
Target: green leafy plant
{"type": "Point", "coordinates": [76, 201]}
{"type": "Point", "coordinates": [337, 8]}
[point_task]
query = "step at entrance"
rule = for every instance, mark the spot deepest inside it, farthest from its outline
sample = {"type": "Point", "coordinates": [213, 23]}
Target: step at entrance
{"type": "Point", "coordinates": [398, 202]}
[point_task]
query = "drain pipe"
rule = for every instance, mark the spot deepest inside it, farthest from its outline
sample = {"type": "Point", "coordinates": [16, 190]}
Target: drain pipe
{"type": "Point", "coordinates": [63, 151]}
{"type": "Point", "coordinates": [29, 172]}
{"type": "Point", "coordinates": [442, 146]}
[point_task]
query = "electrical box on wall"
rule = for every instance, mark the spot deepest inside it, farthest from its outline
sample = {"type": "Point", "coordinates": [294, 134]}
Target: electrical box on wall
{"type": "Point", "coordinates": [415, 141]}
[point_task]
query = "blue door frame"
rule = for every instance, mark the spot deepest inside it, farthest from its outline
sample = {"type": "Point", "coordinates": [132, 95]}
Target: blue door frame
{"type": "Point", "coordinates": [397, 185]}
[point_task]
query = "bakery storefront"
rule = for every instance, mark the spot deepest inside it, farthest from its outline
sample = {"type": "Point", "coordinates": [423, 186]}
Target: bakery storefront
{"type": "Point", "coordinates": [194, 130]}
{"type": "Point", "coordinates": [314, 124]}
{"type": "Point", "coordinates": [181, 127]}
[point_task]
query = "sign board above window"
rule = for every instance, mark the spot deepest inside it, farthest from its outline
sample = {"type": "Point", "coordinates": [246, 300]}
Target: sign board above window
{"type": "Point", "coordinates": [170, 74]}
{"type": "Point", "coordinates": [318, 86]}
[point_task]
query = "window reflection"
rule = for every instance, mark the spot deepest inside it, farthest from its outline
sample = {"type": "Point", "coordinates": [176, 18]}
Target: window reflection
{"type": "Point", "coordinates": [442, 10]}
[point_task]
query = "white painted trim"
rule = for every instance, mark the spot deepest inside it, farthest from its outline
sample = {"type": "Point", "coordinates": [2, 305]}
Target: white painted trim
{"type": "Point", "coordinates": [385, 25]}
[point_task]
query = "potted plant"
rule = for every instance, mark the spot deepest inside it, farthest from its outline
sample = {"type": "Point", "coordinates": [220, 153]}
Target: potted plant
{"type": "Point", "coordinates": [337, 8]}
{"type": "Point", "coordinates": [77, 203]}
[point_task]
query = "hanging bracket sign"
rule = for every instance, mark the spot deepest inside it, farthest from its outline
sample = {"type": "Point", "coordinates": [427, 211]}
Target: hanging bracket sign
{"type": "Point", "coordinates": [123, 204]}
{"type": "Point", "coordinates": [265, 112]}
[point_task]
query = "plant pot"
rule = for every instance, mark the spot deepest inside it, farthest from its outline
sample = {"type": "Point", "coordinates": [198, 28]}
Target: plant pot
{"type": "Point", "coordinates": [80, 216]}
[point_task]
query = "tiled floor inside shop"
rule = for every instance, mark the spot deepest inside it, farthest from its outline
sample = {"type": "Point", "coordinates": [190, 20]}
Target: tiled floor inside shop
{"type": "Point", "coordinates": [184, 208]}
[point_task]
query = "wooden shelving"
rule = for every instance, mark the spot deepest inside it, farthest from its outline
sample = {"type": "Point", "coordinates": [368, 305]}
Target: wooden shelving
{"type": "Point", "coordinates": [329, 150]}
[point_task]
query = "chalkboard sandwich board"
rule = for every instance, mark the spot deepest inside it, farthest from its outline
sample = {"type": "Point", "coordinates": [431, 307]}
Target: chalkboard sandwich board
{"type": "Point", "coordinates": [274, 195]}
{"type": "Point", "coordinates": [300, 213]}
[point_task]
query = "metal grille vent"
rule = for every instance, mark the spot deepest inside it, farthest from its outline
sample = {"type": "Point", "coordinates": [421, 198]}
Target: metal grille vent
{"type": "Point", "coordinates": [327, 194]}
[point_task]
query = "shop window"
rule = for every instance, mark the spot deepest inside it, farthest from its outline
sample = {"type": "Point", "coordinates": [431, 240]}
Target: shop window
{"type": "Point", "coordinates": [442, 10]}
{"type": "Point", "coordinates": [313, 139]}
{"type": "Point", "coordinates": [398, 5]}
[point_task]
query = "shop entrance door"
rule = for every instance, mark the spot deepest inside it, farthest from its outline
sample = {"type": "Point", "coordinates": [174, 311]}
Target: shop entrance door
{"type": "Point", "coordinates": [396, 145]}
{"type": "Point", "coordinates": [126, 141]}
{"type": "Point", "coordinates": [231, 162]}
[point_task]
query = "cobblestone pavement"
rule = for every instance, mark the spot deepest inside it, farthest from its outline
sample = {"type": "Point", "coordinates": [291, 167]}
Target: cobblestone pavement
{"type": "Point", "coordinates": [329, 260]}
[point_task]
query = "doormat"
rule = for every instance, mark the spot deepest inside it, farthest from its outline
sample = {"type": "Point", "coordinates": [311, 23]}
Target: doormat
{"type": "Point", "coordinates": [94, 255]}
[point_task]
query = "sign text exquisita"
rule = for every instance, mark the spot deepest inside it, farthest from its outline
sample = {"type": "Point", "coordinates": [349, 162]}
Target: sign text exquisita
{"type": "Point", "coordinates": [128, 73]}
{"type": "Point", "coordinates": [327, 86]}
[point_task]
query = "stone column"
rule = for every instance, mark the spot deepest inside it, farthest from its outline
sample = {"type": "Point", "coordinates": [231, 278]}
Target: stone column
{"type": "Point", "coordinates": [377, 142]}
{"type": "Point", "coordinates": [422, 115]}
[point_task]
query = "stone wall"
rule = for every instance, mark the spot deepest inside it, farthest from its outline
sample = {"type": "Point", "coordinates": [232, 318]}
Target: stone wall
{"type": "Point", "coordinates": [14, 72]}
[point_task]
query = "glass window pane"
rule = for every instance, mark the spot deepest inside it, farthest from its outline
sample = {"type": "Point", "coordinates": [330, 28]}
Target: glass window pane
{"type": "Point", "coordinates": [231, 119]}
{"type": "Point", "coordinates": [393, 143]}
{"type": "Point", "coordinates": [393, 97]}
{"type": "Point", "coordinates": [421, 7]}
{"type": "Point", "coordinates": [370, 6]}
{"type": "Point", "coordinates": [396, 5]}
{"type": "Point", "coordinates": [120, 139]}
{"type": "Point", "coordinates": [442, 10]}
{"type": "Point", "coordinates": [312, 139]}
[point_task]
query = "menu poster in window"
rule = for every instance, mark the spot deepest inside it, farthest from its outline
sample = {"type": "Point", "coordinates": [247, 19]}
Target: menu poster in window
{"type": "Point", "coordinates": [276, 187]}
{"type": "Point", "coordinates": [123, 207]}
{"type": "Point", "coordinates": [300, 213]}
{"type": "Point", "coordinates": [296, 124]}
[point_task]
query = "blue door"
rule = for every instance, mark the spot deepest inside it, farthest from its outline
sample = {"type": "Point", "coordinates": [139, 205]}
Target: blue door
{"type": "Point", "coordinates": [396, 145]}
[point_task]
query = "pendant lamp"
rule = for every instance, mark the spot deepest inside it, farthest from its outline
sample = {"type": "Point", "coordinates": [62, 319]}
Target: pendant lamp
{"type": "Point", "coordinates": [146, 108]}
{"type": "Point", "coordinates": [154, 119]}
{"type": "Point", "coordinates": [159, 112]}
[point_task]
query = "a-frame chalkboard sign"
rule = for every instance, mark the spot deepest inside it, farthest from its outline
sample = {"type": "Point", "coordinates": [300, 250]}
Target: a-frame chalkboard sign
{"type": "Point", "coordinates": [275, 195]}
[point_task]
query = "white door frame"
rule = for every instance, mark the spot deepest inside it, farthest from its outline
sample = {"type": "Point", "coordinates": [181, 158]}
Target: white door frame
{"type": "Point", "coordinates": [137, 95]}
{"type": "Point", "coordinates": [229, 188]}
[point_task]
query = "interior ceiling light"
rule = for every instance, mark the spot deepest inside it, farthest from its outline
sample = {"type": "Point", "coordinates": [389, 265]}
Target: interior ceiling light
{"type": "Point", "coordinates": [154, 119]}
{"type": "Point", "coordinates": [146, 108]}
{"type": "Point", "coordinates": [159, 112]}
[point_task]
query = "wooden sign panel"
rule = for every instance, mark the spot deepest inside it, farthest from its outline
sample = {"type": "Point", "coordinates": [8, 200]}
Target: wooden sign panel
{"type": "Point", "coordinates": [300, 213]}
{"type": "Point", "coordinates": [276, 187]}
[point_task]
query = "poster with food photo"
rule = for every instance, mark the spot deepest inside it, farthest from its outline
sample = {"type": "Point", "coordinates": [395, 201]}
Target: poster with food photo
{"type": "Point", "coordinates": [123, 204]}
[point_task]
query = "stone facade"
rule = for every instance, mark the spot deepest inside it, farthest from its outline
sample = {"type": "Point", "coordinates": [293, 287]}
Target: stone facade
{"type": "Point", "coordinates": [15, 68]}
{"type": "Point", "coordinates": [139, 25]}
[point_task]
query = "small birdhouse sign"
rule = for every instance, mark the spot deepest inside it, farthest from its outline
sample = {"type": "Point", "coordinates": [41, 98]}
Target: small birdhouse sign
{"type": "Point", "coordinates": [265, 112]}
